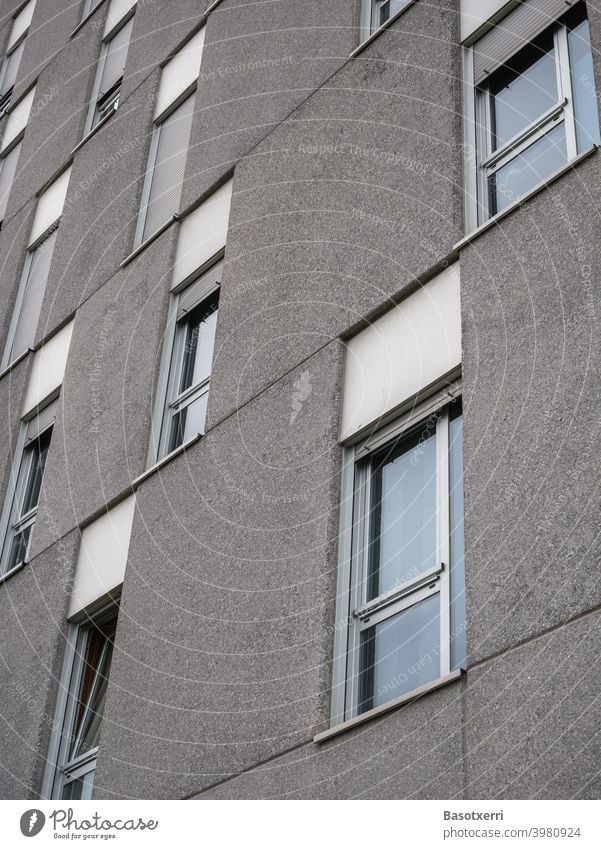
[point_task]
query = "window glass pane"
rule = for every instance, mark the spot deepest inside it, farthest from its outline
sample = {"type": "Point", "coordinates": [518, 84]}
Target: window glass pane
{"type": "Point", "coordinates": [198, 348]}
{"type": "Point", "coordinates": [8, 168]}
{"type": "Point", "coordinates": [115, 58]}
{"type": "Point", "coordinates": [188, 422]}
{"type": "Point", "coordinates": [18, 549]}
{"type": "Point", "coordinates": [33, 296]}
{"type": "Point", "coordinates": [458, 621]}
{"type": "Point", "coordinates": [583, 86]}
{"type": "Point", "coordinates": [107, 104]}
{"type": "Point", "coordinates": [12, 62]}
{"type": "Point", "coordinates": [403, 511]}
{"type": "Point", "coordinates": [169, 166]}
{"type": "Point", "coordinates": [36, 457]}
{"type": "Point", "coordinates": [528, 169]}
{"type": "Point", "coordinates": [74, 790]}
{"type": "Point", "coordinates": [90, 732]}
{"type": "Point", "coordinates": [29, 483]}
{"type": "Point", "coordinates": [92, 688]}
{"type": "Point", "coordinates": [523, 89]}
{"type": "Point", "coordinates": [400, 654]}
{"type": "Point", "coordinates": [383, 10]}
{"type": "Point", "coordinates": [80, 788]}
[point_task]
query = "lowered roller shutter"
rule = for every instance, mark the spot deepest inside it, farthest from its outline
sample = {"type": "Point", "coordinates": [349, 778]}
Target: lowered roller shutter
{"type": "Point", "coordinates": [513, 32]}
{"type": "Point", "coordinates": [116, 57]}
{"type": "Point", "coordinates": [197, 292]}
{"type": "Point", "coordinates": [169, 167]}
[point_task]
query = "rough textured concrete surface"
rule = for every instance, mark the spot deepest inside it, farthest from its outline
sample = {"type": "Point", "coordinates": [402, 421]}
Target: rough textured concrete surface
{"type": "Point", "coordinates": [347, 196]}
{"type": "Point", "coordinates": [531, 377]}
{"type": "Point", "coordinates": [106, 406]}
{"type": "Point", "coordinates": [239, 532]}
{"type": "Point", "coordinates": [413, 753]}
{"type": "Point", "coordinates": [337, 210]}
{"type": "Point", "coordinates": [532, 721]}
{"type": "Point", "coordinates": [33, 605]}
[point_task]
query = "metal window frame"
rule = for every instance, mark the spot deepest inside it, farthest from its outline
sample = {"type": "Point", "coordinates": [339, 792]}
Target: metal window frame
{"type": "Point", "coordinates": [177, 401]}
{"type": "Point", "coordinates": [55, 775]}
{"type": "Point", "coordinates": [19, 477]}
{"type": "Point", "coordinates": [171, 365]}
{"type": "Point", "coordinates": [7, 357]}
{"type": "Point", "coordinates": [7, 96]}
{"type": "Point", "coordinates": [147, 187]}
{"type": "Point", "coordinates": [354, 613]}
{"type": "Point", "coordinates": [152, 157]}
{"type": "Point", "coordinates": [480, 162]}
{"type": "Point", "coordinates": [89, 7]}
{"type": "Point", "coordinates": [9, 149]}
{"type": "Point", "coordinates": [97, 95]}
{"type": "Point", "coordinates": [20, 135]}
{"type": "Point", "coordinates": [369, 10]}
{"type": "Point", "coordinates": [108, 103]}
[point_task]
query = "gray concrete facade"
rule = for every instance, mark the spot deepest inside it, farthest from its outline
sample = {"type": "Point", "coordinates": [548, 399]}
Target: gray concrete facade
{"type": "Point", "coordinates": [347, 194]}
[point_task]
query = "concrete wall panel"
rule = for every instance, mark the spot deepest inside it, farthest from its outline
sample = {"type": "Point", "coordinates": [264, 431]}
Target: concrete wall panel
{"type": "Point", "coordinates": [531, 369]}
{"type": "Point", "coordinates": [413, 753]}
{"type": "Point", "coordinates": [225, 626]}
{"type": "Point", "coordinates": [33, 606]}
{"type": "Point", "coordinates": [103, 430]}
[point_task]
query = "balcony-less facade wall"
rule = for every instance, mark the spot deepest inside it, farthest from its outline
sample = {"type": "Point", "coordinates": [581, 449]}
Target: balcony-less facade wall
{"type": "Point", "coordinates": [338, 189]}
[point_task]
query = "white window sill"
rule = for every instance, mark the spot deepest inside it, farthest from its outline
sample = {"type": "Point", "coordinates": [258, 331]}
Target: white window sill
{"type": "Point", "coordinates": [149, 240]}
{"type": "Point", "coordinates": [12, 572]}
{"type": "Point", "coordinates": [92, 132]}
{"type": "Point", "coordinates": [519, 202]}
{"type": "Point", "coordinates": [389, 706]}
{"type": "Point", "coordinates": [10, 366]}
{"type": "Point", "coordinates": [213, 5]}
{"type": "Point", "coordinates": [164, 460]}
{"type": "Point", "coordinates": [381, 29]}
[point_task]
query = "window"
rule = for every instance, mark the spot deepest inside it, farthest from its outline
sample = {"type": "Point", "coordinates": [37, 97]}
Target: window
{"type": "Point", "coordinates": [8, 74]}
{"type": "Point", "coordinates": [14, 52]}
{"type": "Point", "coordinates": [24, 493]}
{"type": "Point", "coordinates": [171, 134]}
{"type": "Point", "coordinates": [10, 147]}
{"type": "Point", "coordinates": [403, 609]}
{"type": "Point", "coordinates": [8, 169]}
{"type": "Point", "coordinates": [535, 109]}
{"type": "Point", "coordinates": [36, 269]}
{"type": "Point", "coordinates": [377, 12]}
{"type": "Point", "coordinates": [165, 175]}
{"type": "Point", "coordinates": [85, 680]}
{"type": "Point", "coordinates": [31, 294]}
{"type": "Point", "coordinates": [188, 367]}
{"type": "Point", "coordinates": [109, 76]}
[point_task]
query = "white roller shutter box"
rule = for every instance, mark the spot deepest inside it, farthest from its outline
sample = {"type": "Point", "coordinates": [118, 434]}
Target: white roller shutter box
{"type": "Point", "coordinates": [48, 369]}
{"type": "Point", "coordinates": [180, 72]}
{"type": "Point", "coordinates": [17, 119]}
{"type": "Point", "coordinates": [50, 205]}
{"type": "Point", "coordinates": [118, 9]}
{"type": "Point", "coordinates": [405, 351]}
{"type": "Point", "coordinates": [21, 23]}
{"type": "Point", "coordinates": [8, 169]}
{"type": "Point", "coordinates": [102, 555]}
{"type": "Point", "coordinates": [202, 234]}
